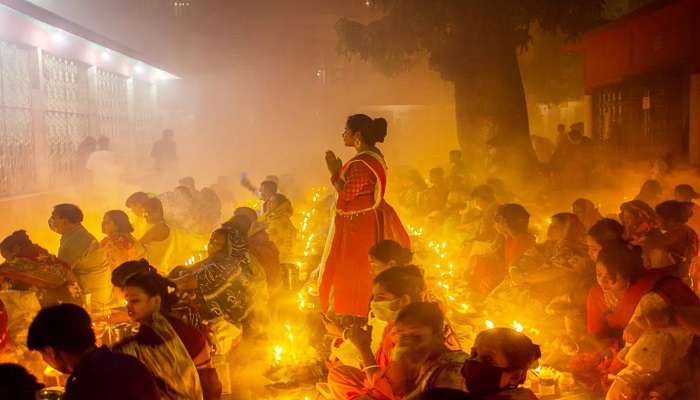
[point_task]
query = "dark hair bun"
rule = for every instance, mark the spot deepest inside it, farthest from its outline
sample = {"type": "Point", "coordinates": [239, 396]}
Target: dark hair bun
{"type": "Point", "coordinates": [379, 129]}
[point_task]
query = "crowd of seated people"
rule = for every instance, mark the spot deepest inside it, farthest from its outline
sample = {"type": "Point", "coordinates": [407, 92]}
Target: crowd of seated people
{"type": "Point", "coordinates": [619, 293]}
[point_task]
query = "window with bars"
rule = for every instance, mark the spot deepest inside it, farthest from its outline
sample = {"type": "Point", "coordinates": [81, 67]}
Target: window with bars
{"type": "Point", "coordinates": [65, 91]}
{"type": "Point", "coordinates": [144, 115]}
{"type": "Point", "coordinates": [112, 107]}
{"type": "Point", "coordinates": [17, 156]}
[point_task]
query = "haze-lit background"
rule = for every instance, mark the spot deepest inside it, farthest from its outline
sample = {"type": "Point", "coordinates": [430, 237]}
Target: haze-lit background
{"type": "Point", "coordinates": [263, 87]}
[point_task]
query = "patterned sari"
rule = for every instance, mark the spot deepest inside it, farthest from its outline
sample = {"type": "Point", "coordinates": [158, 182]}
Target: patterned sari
{"type": "Point", "coordinates": [607, 320]}
{"type": "Point", "coordinates": [34, 268]}
{"type": "Point", "coordinates": [161, 350]}
{"type": "Point", "coordinates": [121, 248]}
{"type": "Point", "coordinates": [224, 280]}
{"type": "Point", "coordinates": [645, 223]}
{"type": "Point", "coordinates": [362, 219]}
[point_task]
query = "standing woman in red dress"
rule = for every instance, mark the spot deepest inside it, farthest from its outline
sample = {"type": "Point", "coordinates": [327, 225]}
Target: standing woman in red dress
{"type": "Point", "coordinates": [362, 218]}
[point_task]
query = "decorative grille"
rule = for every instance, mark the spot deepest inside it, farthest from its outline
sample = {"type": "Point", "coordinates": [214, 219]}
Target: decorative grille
{"type": "Point", "coordinates": [17, 159]}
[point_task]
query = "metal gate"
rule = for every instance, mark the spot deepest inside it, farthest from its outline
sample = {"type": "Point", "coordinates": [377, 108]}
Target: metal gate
{"type": "Point", "coordinates": [643, 118]}
{"type": "Point", "coordinates": [65, 90]}
{"type": "Point", "coordinates": [112, 108]}
{"type": "Point", "coordinates": [17, 158]}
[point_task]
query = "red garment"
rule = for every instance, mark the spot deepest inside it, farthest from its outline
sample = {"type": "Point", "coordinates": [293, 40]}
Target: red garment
{"type": "Point", "coordinates": [593, 367]}
{"type": "Point", "coordinates": [606, 323]}
{"type": "Point", "coordinates": [490, 269]}
{"type": "Point", "coordinates": [193, 339]}
{"type": "Point", "coordinates": [362, 219]}
{"type": "Point", "coordinates": [347, 382]}
{"type": "Point", "coordinates": [517, 246]}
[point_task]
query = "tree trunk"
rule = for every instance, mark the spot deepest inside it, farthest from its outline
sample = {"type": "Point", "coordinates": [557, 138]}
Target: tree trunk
{"type": "Point", "coordinates": [490, 103]}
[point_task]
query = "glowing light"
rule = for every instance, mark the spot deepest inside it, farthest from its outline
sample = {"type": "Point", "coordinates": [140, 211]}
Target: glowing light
{"type": "Point", "coordinates": [105, 56]}
{"type": "Point", "coordinates": [518, 326]}
{"type": "Point", "coordinates": [48, 371]}
{"type": "Point", "coordinates": [138, 69]}
{"type": "Point", "coordinates": [58, 38]}
{"type": "Point", "coordinates": [278, 353]}
{"type": "Point", "coordinates": [489, 324]}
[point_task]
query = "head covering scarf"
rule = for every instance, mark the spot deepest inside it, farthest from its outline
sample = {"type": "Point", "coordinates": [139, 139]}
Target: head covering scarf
{"type": "Point", "coordinates": [645, 221]}
{"type": "Point", "coordinates": [590, 213]}
{"type": "Point", "coordinates": [223, 280]}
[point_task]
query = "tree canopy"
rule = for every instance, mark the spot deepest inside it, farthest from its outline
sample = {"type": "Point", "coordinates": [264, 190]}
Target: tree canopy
{"type": "Point", "coordinates": [457, 34]}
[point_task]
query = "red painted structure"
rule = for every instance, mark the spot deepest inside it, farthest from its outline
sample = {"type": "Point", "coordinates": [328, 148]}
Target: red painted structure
{"type": "Point", "coordinates": [637, 70]}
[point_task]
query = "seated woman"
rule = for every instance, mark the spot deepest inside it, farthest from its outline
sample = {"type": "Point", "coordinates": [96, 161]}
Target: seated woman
{"type": "Point", "coordinates": [498, 365]}
{"type": "Point", "coordinates": [187, 307]}
{"type": "Point", "coordinates": [678, 238]}
{"type": "Point", "coordinates": [371, 348]}
{"type": "Point", "coordinates": [587, 212]}
{"type": "Point", "coordinates": [136, 203]}
{"type": "Point", "coordinates": [639, 220]}
{"type": "Point", "coordinates": [513, 240]}
{"type": "Point", "coordinates": [622, 283]}
{"type": "Point", "coordinates": [603, 233]}
{"type": "Point", "coordinates": [175, 352]}
{"type": "Point", "coordinates": [386, 254]}
{"type": "Point", "coordinates": [28, 266]}
{"type": "Point", "coordinates": [658, 350]}
{"type": "Point", "coordinates": [120, 245]}
{"type": "Point", "coordinates": [261, 248]}
{"type": "Point", "coordinates": [559, 267]}
{"type": "Point", "coordinates": [224, 282]}
{"type": "Point", "coordinates": [158, 239]}
{"type": "Point", "coordinates": [421, 360]}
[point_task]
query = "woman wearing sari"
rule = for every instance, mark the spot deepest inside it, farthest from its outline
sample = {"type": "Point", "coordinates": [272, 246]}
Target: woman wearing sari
{"type": "Point", "coordinates": [120, 245]}
{"type": "Point", "coordinates": [362, 219]}
{"type": "Point", "coordinates": [171, 349]}
{"type": "Point", "coordinates": [225, 282]}
{"type": "Point", "coordinates": [368, 352]}
{"type": "Point", "coordinates": [624, 285]}
{"type": "Point", "coordinates": [639, 220]}
{"type": "Point", "coordinates": [559, 267]}
{"type": "Point", "coordinates": [421, 360]}
{"type": "Point", "coordinates": [514, 239]}
{"type": "Point", "coordinates": [586, 212]}
{"type": "Point", "coordinates": [158, 240]}
{"type": "Point", "coordinates": [28, 266]}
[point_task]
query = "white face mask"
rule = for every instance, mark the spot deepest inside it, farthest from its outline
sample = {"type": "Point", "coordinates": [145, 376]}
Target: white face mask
{"type": "Point", "coordinates": [384, 310]}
